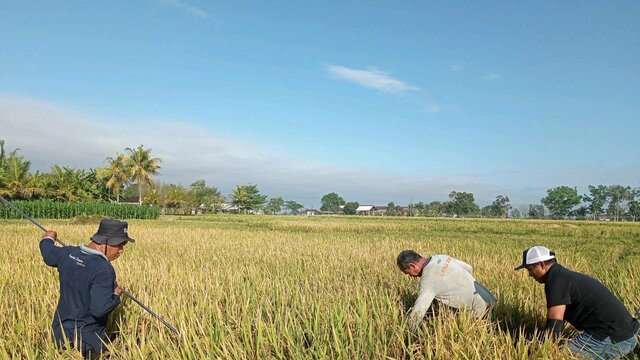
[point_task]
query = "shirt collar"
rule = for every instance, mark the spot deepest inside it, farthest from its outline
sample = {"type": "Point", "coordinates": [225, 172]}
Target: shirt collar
{"type": "Point", "coordinates": [91, 251]}
{"type": "Point", "coordinates": [423, 265]}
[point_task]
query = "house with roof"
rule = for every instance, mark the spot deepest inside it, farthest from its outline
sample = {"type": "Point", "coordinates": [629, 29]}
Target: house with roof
{"type": "Point", "coordinates": [366, 210]}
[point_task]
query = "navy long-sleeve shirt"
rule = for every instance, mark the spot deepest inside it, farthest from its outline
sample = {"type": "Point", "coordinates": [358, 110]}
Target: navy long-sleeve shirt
{"type": "Point", "coordinates": [87, 281]}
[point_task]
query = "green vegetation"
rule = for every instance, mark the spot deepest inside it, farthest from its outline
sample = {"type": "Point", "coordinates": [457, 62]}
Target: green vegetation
{"type": "Point", "coordinates": [48, 209]}
{"type": "Point", "coordinates": [262, 287]}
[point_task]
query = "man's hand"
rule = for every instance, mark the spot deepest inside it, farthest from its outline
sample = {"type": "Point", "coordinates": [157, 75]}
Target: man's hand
{"type": "Point", "coordinates": [50, 234]}
{"type": "Point", "coordinates": [117, 289]}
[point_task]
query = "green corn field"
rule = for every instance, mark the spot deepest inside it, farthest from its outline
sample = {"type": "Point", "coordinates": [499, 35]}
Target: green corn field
{"type": "Point", "coordinates": [48, 209]}
{"type": "Point", "coordinates": [285, 287]}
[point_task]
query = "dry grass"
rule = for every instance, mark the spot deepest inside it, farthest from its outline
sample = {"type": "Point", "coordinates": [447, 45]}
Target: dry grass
{"type": "Point", "coordinates": [264, 287]}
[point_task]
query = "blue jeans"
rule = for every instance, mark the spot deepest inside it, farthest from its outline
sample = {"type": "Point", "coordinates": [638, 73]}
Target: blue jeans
{"type": "Point", "coordinates": [586, 346]}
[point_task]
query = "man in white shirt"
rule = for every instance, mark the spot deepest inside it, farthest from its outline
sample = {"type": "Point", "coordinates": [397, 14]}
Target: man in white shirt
{"type": "Point", "coordinates": [447, 280]}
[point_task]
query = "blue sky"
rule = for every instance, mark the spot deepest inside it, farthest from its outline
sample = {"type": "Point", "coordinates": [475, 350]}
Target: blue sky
{"type": "Point", "coordinates": [378, 101]}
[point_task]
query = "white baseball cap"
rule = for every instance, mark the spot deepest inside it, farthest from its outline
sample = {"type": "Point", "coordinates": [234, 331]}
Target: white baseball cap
{"type": "Point", "coordinates": [534, 255]}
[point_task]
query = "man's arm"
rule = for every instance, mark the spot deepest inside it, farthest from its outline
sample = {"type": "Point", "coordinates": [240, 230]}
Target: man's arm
{"type": "Point", "coordinates": [423, 302]}
{"type": "Point", "coordinates": [50, 252]}
{"type": "Point", "coordinates": [104, 293]}
{"type": "Point", "coordinates": [555, 320]}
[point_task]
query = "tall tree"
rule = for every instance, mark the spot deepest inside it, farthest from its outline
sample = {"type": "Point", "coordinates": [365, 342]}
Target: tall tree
{"type": "Point", "coordinates": [436, 208]}
{"type": "Point", "coordinates": [462, 203]}
{"type": "Point", "coordinates": [248, 197]}
{"type": "Point", "coordinates": [16, 177]}
{"type": "Point", "coordinates": [391, 209]}
{"type": "Point", "coordinates": [536, 211]}
{"type": "Point", "coordinates": [3, 161]}
{"type": "Point", "coordinates": [294, 207]}
{"type": "Point", "coordinates": [596, 199]}
{"type": "Point", "coordinates": [331, 202]}
{"type": "Point", "coordinates": [618, 195]}
{"type": "Point", "coordinates": [634, 204]}
{"type": "Point", "coordinates": [350, 207]}
{"type": "Point", "coordinates": [275, 205]}
{"type": "Point", "coordinates": [561, 200]}
{"type": "Point", "coordinates": [201, 195]}
{"type": "Point", "coordinates": [175, 196]}
{"type": "Point", "coordinates": [116, 174]}
{"type": "Point", "coordinates": [142, 167]}
{"type": "Point", "coordinates": [516, 214]}
{"type": "Point", "coordinates": [500, 206]}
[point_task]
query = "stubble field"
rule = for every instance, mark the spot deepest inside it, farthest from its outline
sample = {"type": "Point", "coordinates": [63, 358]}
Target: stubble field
{"type": "Point", "coordinates": [284, 287]}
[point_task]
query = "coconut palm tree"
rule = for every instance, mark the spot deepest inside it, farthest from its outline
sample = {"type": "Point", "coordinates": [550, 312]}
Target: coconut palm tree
{"type": "Point", "coordinates": [240, 197]}
{"type": "Point", "coordinates": [142, 167]}
{"type": "Point", "coordinates": [17, 177]}
{"type": "Point", "coordinates": [116, 175]}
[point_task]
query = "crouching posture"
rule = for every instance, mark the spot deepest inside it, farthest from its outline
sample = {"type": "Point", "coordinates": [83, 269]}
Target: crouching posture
{"type": "Point", "coordinates": [608, 329]}
{"type": "Point", "coordinates": [447, 280]}
{"type": "Point", "coordinates": [88, 288]}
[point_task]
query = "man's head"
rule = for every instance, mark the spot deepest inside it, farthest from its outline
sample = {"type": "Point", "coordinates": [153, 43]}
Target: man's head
{"type": "Point", "coordinates": [537, 260]}
{"type": "Point", "coordinates": [410, 263]}
{"type": "Point", "coordinates": [111, 238]}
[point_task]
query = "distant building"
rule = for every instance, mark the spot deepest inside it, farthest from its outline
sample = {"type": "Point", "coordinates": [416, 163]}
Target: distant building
{"type": "Point", "coordinates": [229, 208]}
{"type": "Point", "coordinates": [366, 210]}
{"type": "Point", "coordinates": [311, 212]}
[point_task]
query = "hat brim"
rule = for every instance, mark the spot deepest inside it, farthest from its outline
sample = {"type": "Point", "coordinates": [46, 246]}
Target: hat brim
{"type": "Point", "coordinates": [102, 239]}
{"type": "Point", "coordinates": [520, 267]}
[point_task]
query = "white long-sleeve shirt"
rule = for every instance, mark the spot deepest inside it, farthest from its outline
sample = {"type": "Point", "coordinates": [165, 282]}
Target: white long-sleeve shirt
{"type": "Point", "coordinates": [451, 282]}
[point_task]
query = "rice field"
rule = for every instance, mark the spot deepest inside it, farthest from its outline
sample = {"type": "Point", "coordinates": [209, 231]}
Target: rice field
{"type": "Point", "coordinates": [284, 287]}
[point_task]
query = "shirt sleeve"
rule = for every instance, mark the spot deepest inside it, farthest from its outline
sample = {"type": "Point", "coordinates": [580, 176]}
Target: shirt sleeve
{"type": "Point", "coordinates": [50, 252]}
{"type": "Point", "coordinates": [465, 266]}
{"type": "Point", "coordinates": [102, 298]}
{"type": "Point", "coordinates": [423, 302]}
{"type": "Point", "coordinates": [557, 293]}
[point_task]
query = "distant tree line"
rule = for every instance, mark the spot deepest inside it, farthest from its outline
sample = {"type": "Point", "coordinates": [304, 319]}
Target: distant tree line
{"type": "Point", "coordinates": [613, 202]}
{"type": "Point", "coordinates": [129, 176]}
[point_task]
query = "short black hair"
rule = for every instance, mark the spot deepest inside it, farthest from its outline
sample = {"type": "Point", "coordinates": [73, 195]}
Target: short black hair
{"type": "Point", "coordinates": [406, 258]}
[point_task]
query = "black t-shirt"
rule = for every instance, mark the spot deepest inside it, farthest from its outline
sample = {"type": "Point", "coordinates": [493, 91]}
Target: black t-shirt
{"type": "Point", "coordinates": [591, 307]}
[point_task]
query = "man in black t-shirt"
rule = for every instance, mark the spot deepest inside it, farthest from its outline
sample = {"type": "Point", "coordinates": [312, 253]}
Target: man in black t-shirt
{"type": "Point", "coordinates": [608, 329]}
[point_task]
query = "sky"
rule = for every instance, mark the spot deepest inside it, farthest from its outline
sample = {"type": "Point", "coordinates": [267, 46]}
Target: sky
{"type": "Point", "coordinates": [377, 101]}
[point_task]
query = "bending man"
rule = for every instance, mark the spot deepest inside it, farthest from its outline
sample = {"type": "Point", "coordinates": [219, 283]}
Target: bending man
{"type": "Point", "coordinates": [447, 280]}
{"type": "Point", "coordinates": [88, 288]}
{"type": "Point", "coordinates": [608, 329]}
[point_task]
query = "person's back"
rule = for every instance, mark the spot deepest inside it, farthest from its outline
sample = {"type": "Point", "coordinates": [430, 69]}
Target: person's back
{"type": "Point", "coordinates": [448, 280]}
{"type": "Point", "coordinates": [452, 283]}
{"type": "Point", "coordinates": [590, 306]}
{"type": "Point", "coordinates": [86, 293]}
{"type": "Point", "coordinates": [88, 287]}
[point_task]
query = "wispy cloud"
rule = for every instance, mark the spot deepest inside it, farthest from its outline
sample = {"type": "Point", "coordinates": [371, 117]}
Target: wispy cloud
{"type": "Point", "coordinates": [492, 76]}
{"type": "Point", "coordinates": [371, 78]}
{"type": "Point", "coordinates": [190, 9]}
{"type": "Point", "coordinates": [48, 134]}
{"type": "Point", "coordinates": [457, 67]}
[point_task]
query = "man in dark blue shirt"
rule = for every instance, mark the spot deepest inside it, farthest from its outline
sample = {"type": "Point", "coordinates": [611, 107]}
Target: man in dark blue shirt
{"type": "Point", "coordinates": [88, 288]}
{"type": "Point", "coordinates": [608, 329]}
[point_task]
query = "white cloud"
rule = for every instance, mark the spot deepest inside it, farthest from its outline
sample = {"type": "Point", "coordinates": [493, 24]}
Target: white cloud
{"type": "Point", "coordinates": [492, 76]}
{"type": "Point", "coordinates": [190, 9]}
{"type": "Point", "coordinates": [48, 134]}
{"type": "Point", "coordinates": [371, 78]}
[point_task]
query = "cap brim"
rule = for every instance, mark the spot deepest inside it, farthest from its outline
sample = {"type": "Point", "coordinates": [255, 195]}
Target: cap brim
{"type": "Point", "coordinates": [520, 267]}
{"type": "Point", "coordinates": [102, 239]}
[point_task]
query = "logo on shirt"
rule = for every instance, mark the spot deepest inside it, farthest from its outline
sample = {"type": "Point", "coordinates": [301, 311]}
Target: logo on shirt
{"type": "Point", "coordinates": [78, 261]}
{"type": "Point", "coordinates": [445, 266]}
